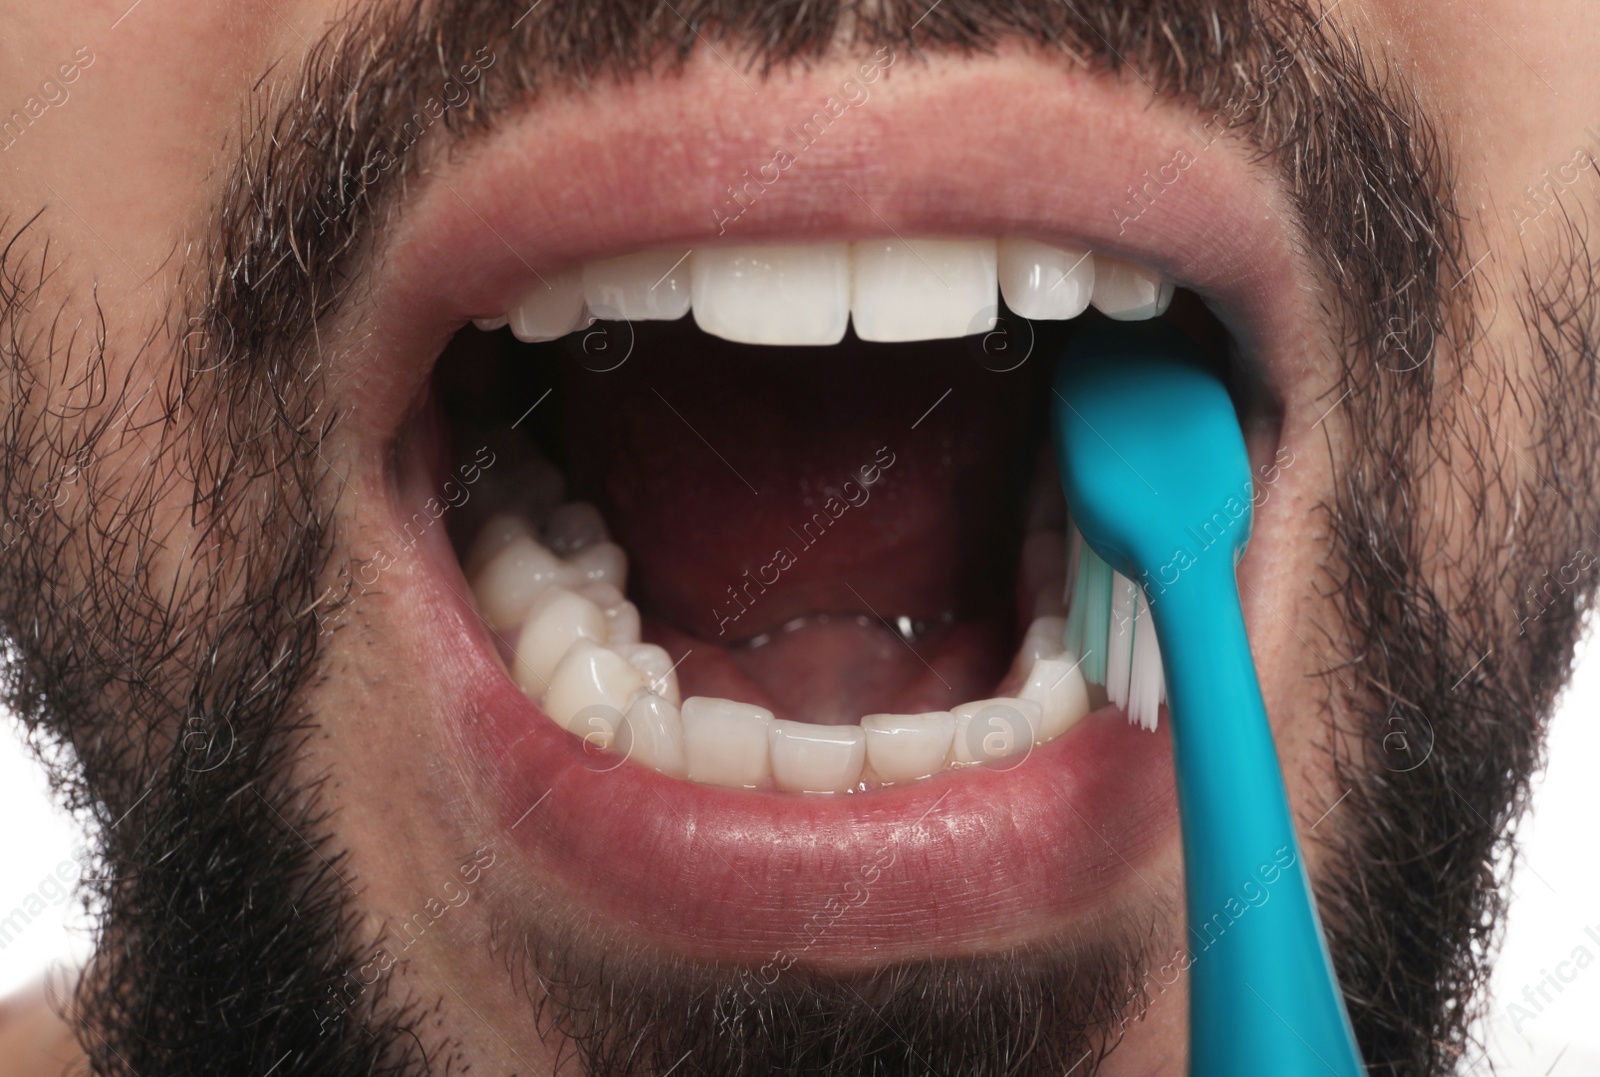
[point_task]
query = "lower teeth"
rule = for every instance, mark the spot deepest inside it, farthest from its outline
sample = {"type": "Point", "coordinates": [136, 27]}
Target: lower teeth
{"type": "Point", "coordinates": [552, 591]}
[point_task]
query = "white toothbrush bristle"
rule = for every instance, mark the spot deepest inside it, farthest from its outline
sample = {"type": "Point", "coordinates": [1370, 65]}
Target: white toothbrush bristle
{"type": "Point", "coordinates": [1110, 625]}
{"type": "Point", "coordinates": [1146, 682]}
{"type": "Point", "coordinates": [1119, 645]}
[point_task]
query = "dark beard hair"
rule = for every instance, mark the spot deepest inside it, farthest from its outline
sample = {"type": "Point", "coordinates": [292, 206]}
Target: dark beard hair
{"type": "Point", "coordinates": [171, 715]}
{"type": "Point", "coordinates": [167, 712]}
{"type": "Point", "coordinates": [1041, 1011]}
{"type": "Point", "coordinates": [1450, 676]}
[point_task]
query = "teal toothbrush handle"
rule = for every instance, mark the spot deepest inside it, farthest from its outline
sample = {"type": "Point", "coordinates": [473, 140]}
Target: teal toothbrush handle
{"type": "Point", "coordinates": [1263, 998]}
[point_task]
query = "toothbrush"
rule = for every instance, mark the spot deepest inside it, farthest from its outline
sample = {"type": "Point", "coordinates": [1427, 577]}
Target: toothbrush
{"type": "Point", "coordinates": [1157, 480]}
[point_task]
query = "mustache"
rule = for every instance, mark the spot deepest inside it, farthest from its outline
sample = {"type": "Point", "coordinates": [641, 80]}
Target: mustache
{"type": "Point", "coordinates": [321, 153]}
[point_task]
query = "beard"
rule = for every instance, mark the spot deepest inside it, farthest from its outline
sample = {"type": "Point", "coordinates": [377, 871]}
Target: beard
{"type": "Point", "coordinates": [1448, 688]}
{"type": "Point", "coordinates": [156, 673]}
{"type": "Point", "coordinates": [161, 661]}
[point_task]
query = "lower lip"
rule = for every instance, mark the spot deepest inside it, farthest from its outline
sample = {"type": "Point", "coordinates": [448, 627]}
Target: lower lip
{"type": "Point", "coordinates": [967, 861]}
{"type": "Point", "coordinates": [963, 862]}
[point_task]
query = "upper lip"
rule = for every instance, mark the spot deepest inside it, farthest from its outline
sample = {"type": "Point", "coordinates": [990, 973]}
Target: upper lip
{"type": "Point", "coordinates": [641, 166]}
{"type": "Point", "coordinates": [930, 154]}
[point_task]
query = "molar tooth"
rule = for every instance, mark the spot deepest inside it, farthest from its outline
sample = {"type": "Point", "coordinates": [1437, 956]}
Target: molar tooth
{"type": "Point", "coordinates": [589, 691]}
{"type": "Point", "coordinates": [604, 562]}
{"type": "Point", "coordinates": [1040, 281]}
{"type": "Point", "coordinates": [648, 286]}
{"type": "Point", "coordinates": [905, 747]}
{"type": "Point", "coordinates": [574, 526]}
{"type": "Point", "coordinates": [661, 674]}
{"type": "Point", "coordinates": [1056, 684]}
{"type": "Point", "coordinates": [923, 289]}
{"type": "Point", "coordinates": [725, 742]}
{"type": "Point", "coordinates": [992, 729]}
{"type": "Point", "coordinates": [622, 616]}
{"type": "Point", "coordinates": [552, 308]}
{"type": "Point", "coordinates": [1125, 292]}
{"type": "Point", "coordinates": [1043, 639]}
{"type": "Point", "coordinates": [622, 623]}
{"type": "Point", "coordinates": [558, 619]}
{"type": "Point", "coordinates": [542, 486]}
{"type": "Point", "coordinates": [773, 294]}
{"type": "Point", "coordinates": [524, 482]}
{"type": "Point", "coordinates": [604, 595]}
{"type": "Point", "coordinates": [510, 581]}
{"type": "Point", "coordinates": [495, 535]}
{"type": "Point", "coordinates": [652, 735]}
{"type": "Point", "coordinates": [809, 758]}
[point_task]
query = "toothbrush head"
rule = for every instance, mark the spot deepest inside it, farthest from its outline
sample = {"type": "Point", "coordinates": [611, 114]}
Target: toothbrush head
{"type": "Point", "coordinates": [1148, 444]}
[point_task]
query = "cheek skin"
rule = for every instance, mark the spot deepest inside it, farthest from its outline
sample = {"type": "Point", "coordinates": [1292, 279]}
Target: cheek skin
{"type": "Point", "coordinates": [1512, 85]}
{"type": "Point", "coordinates": [1517, 121]}
{"type": "Point", "coordinates": [124, 167]}
{"type": "Point", "coordinates": [1283, 573]}
{"type": "Point", "coordinates": [162, 98]}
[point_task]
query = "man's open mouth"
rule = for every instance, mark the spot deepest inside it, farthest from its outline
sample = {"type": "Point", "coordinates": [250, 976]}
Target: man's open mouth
{"type": "Point", "coordinates": [749, 564]}
{"type": "Point", "coordinates": [721, 548]}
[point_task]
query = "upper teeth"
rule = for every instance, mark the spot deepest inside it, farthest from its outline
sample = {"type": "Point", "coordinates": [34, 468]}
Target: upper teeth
{"type": "Point", "coordinates": [893, 290]}
{"type": "Point", "coordinates": [556, 597]}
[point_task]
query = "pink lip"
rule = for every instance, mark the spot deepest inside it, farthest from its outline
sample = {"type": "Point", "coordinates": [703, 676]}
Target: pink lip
{"type": "Point", "coordinates": [958, 862]}
{"type": "Point", "coordinates": [963, 861]}
{"type": "Point", "coordinates": [639, 167]}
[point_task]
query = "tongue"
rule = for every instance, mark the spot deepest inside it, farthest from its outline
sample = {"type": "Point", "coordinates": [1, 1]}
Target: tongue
{"type": "Point", "coordinates": [832, 669]}
{"type": "Point", "coordinates": [784, 520]}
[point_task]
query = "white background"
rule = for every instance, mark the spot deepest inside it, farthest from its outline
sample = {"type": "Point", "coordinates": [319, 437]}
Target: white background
{"type": "Point", "coordinates": [1557, 893]}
